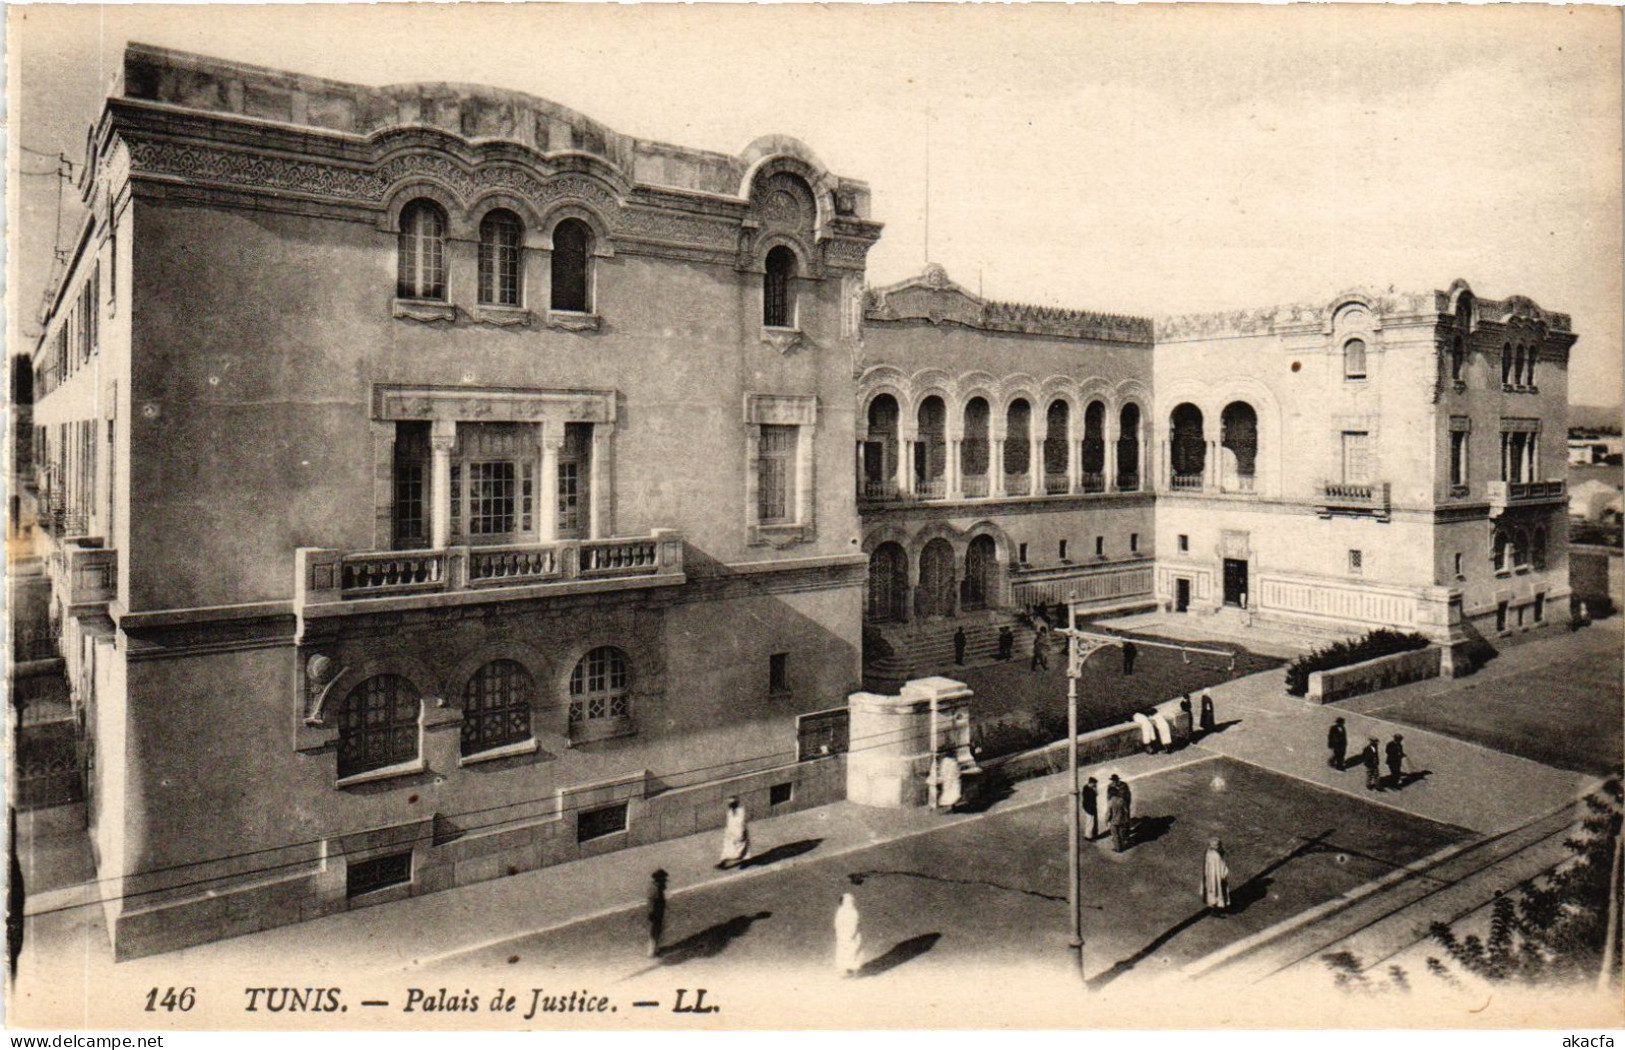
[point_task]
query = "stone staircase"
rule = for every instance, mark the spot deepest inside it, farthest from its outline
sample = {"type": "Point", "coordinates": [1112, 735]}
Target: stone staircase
{"type": "Point", "coordinates": [895, 653]}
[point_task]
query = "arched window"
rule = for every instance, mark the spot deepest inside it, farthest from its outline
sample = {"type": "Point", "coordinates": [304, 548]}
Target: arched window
{"type": "Point", "coordinates": [1057, 446]}
{"type": "Point", "coordinates": [1128, 448]}
{"type": "Point", "coordinates": [496, 707]}
{"type": "Point", "coordinates": [1238, 437]}
{"type": "Point", "coordinates": [600, 688]}
{"type": "Point", "coordinates": [500, 232]}
{"type": "Point", "coordinates": [1354, 359]}
{"type": "Point", "coordinates": [422, 255]}
{"type": "Point", "coordinates": [778, 305]}
{"type": "Point", "coordinates": [1187, 447]}
{"type": "Point", "coordinates": [1094, 447]}
{"type": "Point", "coordinates": [1458, 357]}
{"type": "Point", "coordinates": [1529, 366]}
{"type": "Point", "coordinates": [931, 450]}
{"type": "Point", "coordinates": [973, 448]}
{"type": "Point", "coordinates": [1520, 548]}
{"type": "Point", "coordinates": [1498, 550]}
{"type": "Point", "coordinates": [1517, 366]}
{"type": "Point", "coordinates": [378, 725]}
{"type": "Point", "coordinates": [572, 254]}
{"type": "Point", "coordinates": [1018, 421]}
{"type": "Point", "coordinates": [1506, 364]}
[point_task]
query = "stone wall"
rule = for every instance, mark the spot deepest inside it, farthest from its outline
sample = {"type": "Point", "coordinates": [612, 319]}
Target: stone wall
{"type": "Point", "coordinates": [1369, 676]}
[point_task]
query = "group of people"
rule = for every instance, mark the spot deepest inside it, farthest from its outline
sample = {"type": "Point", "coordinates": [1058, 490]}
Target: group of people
{"type": "Point", "coordinates": [1117, 820]}
{"type": "Point", "coordinates": [1372, 757]}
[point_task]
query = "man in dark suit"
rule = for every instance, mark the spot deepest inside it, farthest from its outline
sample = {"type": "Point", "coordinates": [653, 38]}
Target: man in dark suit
{"type": "Point", "coordinates": [1337, 738]}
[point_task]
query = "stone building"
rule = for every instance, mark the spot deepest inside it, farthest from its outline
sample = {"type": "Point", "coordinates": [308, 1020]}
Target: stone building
{"type": "Point", "coordinates": [435, 484]}
{"type": "Point", "coordinates": [1376, 460]}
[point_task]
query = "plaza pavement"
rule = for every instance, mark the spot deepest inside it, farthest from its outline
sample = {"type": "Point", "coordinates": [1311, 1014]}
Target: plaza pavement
{"type": "Point", "coordinates": [66, 957]}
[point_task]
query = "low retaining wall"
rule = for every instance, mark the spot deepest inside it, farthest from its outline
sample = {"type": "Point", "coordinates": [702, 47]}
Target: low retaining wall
{"type": "Point", "coordinates": [1095, 746]}
{"type": "Point", "coordinates": [1368, 676]}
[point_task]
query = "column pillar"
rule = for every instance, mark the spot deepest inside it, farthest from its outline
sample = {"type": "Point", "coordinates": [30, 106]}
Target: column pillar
{"type": "Point", "coordinates": [602, 472]}
{"type": "Point", "coordinates": [442, 439]}
{"type": "Point", "coordinates": [1108, 461]}
{"type": "Point", "coordinates": [954, 469]}
{"type": "Point", "coordinates": [995, 467]}
{"type": "Point", "coordinates": [1035, 454]}
{"type": "Point", "coordinates": [1074, 453]}
{"type": "Point", "coordinates": [547, 497]}
{"type": "Point", "coordinates": [905, 465]}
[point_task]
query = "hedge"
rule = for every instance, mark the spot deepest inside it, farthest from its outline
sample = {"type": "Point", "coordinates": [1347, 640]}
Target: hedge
{"type": "Point", "coordinates": [1380, 642]}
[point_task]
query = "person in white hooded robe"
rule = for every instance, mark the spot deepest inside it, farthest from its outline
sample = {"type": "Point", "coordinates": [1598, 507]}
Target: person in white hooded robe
{"type": "Point", "coordinates": [735, 836]}
{"type": "Point", "coordinates": [848, 939]}
{"type": "Point", "coordinates": [1216, 878]}
{"type": "Point", "coordinates": [949, 786]}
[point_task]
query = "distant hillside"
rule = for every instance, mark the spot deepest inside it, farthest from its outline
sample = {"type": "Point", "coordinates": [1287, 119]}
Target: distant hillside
{"type": "Point", "coordinates": [1595, 416]}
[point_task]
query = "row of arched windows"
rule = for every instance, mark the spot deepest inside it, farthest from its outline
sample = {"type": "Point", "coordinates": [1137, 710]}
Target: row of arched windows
{"type": "Point", "coordinates": [421, 264]}
{"type": "Point", "coordinates": [421, 272]}
{"type": "Point", "coordinates": [379, 719]}
{"type": "Point", "coordinates": [1517, 363]}
{"type": "Point", "coordinates": [1515, 547]}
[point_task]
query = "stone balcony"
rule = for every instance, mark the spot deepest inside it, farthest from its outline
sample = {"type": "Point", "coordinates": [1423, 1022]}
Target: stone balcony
{"type": "Point", "coordinates": [1353, 498]}
{"type": "Point", "coordinates": [85, 577]}
{"type": "Point", "coordinates": [1504, 494]}
{"type": "Point", "coordinates": [334, 582]}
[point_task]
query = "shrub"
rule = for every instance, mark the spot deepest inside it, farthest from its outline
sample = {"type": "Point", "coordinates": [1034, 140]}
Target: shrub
{"type": "Point", "coordinates": [1380, 642]}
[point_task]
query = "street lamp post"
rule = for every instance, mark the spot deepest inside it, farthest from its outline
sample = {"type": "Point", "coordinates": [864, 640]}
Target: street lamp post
{"type": "Point", "coordinates": [1080, 646]}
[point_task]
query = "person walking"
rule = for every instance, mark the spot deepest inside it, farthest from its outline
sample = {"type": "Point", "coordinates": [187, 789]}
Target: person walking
{"type": "Point", "coordinates": [735, 835]}
{"type": "Point", "coordinates": [1216, 879]}
{"type": "Point", "coordinates": [1185, 709]}
{"type": "Point", "coordinates": [1128, 803]}
{"type": "Point", "coordinates": [1337, 738]}
{"type": "Point", "coordinates": [1209, 721]}
{"type": "Point", "coordinates": [959, 647]}
{"type": "Point", "coordinates": [655, 911]}
{"type": "Point", "coordinates": [1117, 816]}
{"type": "Point", "coordinates": [1130, 652]}
{"type": "Point", "coordinates": [1396, 760]}
{"type": "Point", "coordinates": [1090, 802]}
{"type": "Point", "coordinates": [1369, 757]}
{"type": "Point", "coordinates": [848, 938]}
{"type": "Point", "coordinates": [1040, 648]}
{"type": "Point", "coordinates": [1007, 642]}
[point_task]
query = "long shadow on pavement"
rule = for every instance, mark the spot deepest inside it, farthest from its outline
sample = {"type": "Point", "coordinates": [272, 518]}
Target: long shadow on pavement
{"type": "Point", "coordinates": [709, 942]}
{"type": "Point", "coordinates": [1248, 892]}
{"type": "Point", "coordinates": [900, 953]}
{"type": "Point", "coordinates": [783, 852]}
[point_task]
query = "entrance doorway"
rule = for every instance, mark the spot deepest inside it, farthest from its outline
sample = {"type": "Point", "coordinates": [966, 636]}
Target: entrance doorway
{"type": "Point", "coordinates": [937, 585]}
{"type": "Point", "coordinates": [1182, 594]}
{"type": "Point", "coordinates": [1235, 582]}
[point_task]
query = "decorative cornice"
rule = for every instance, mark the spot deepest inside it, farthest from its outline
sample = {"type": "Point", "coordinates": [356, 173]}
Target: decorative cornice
{"type": "Point", "coordinates": [933, 297]}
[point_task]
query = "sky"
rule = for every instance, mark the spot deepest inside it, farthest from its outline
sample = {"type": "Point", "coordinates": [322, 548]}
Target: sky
{"type": "Point", "coordinates": [1141, 160]}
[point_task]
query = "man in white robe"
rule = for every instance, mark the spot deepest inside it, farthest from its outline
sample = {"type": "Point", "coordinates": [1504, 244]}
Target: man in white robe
{"type": "Point", "coordinates": [848, 939]}
{"type": "Point", "coordinates": [735, 836]}
{"type": "Point", "coordinates": [1216, 878]}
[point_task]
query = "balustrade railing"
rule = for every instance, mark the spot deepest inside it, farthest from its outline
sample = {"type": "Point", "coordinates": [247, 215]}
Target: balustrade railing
{"type": "Point", "coordinates": [878, 490]}
{"type": "Point", "coordinates": [332, 576]}
{"type": "Point", "coordinates": [1503, 493]}
{"type": "Point", "coordinates": [1018, 485]}
{"type": "Point", "coordinates": [1057, 484]}
{"type": "Point", "coordinates": [1239, 483]}
{"type": "Point", "coordinates": [976, 486]}
{"type": "Point", "coordinates": [1094, 482]}
{"type": "Point", "coordinates": [1185, 482]}
{"type": "Point", "coordinates": [1357, 497]}
{"type": "Point", "coordinates": [930, 488]}
{"type": "Point", "coordinates": [1128, 483]}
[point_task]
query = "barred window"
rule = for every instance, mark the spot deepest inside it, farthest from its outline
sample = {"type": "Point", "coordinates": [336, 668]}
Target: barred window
{"type": "Point", "coordinates": [575, 461]}
{"type": "Point", "coordinates": [775, 474]}
{"type": "Point", "coordinates": [500, 259]}
{"type": "Point", "coordinates": [777, 307]}
{"type": "Point", "coordinates": [496, 707]}
{"type": "Point", "coordinates": [600, 687]}
{"type": "Point", "coordinates": [378, 725]}
{"type": "Point", "coordinates": [422, 257]}
{"type": "Point", "coordinates": [411, 485]}
{"type": "Point", "coordinates": [490, 498]}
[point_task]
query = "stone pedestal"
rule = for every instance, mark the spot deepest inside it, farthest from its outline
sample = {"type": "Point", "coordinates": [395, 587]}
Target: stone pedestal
{"type": "Point", "coordinates": [889, 762]}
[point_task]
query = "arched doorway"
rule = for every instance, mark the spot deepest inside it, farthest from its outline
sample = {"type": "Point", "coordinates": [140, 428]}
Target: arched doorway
{"type": "Point", "coordinates": [880, 450]}
{"type": "Point", "coordinates": [973, 449]}
{"type": "Point", "coordinates": [888, 584]}
{"type": "Point", "coordinates": [931, 451]}
{"type": "Point", "coordinates": [937, 579]}
{"type": "Point", "coordinates": [1018, 423]}
{"type": "Point", "coordinates": [981, 573]}
{"type": "Point", "coordinates": [1057, 447]}
{"type": "Point", "coordinates": [1094, 447]}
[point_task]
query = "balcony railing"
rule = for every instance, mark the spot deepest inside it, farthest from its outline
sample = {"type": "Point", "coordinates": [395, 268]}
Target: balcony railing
{"type": "Point", "coordinates": [84, 575]}
{"type": "Point", "coordinates": [1504, 494]}
{"type": "Point", "coordinates": [1057, 484]}
{"type": "Point", "coordinates": [330, 576]}
{"type": "Point", "coordinates": [1348, 497]}
{"type": "Point", "coordinates": [1018, 485]}
{"type": "Point", "coordinates": [878, 491]}
{"type": "Point", "coordinates": [1185, 482]}
{"type": "Point", "coordinates": [1240, 483]}
{"type": "Point", "coordinates": [1128, 483]}
{"type": "Point", "coordinates": [976, 486]}
{"type": "Point", "coordinates": [1093, 482]}
{"type": "Point", "coordinates": [930, 488]}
